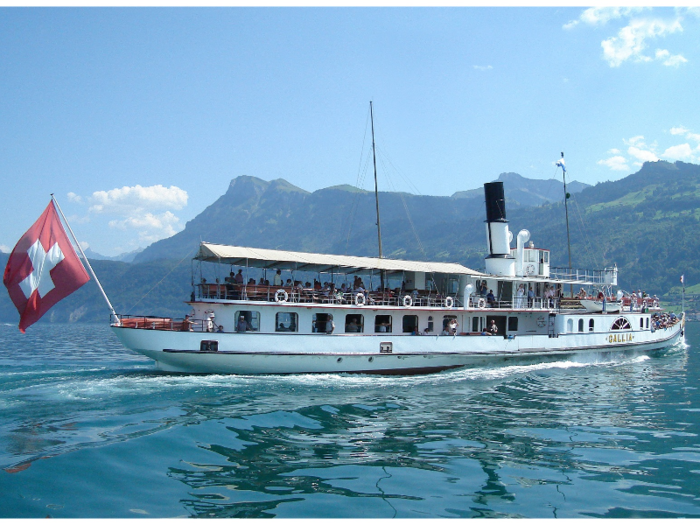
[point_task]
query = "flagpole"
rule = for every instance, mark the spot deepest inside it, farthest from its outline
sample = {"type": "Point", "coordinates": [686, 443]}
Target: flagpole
{"type": "Point", "coordinates": [75, 240]}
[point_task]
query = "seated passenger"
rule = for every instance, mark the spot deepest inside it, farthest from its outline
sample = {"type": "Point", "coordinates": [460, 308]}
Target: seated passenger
{"type": "Point", "coordinates": [220, 329]}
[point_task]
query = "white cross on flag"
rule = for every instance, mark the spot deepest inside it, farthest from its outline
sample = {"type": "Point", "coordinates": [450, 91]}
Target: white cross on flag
{"type": "Point", "coordinates": [42, 269]}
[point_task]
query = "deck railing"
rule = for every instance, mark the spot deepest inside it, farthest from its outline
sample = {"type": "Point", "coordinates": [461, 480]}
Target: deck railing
{"type": "Point", "coordinates": [287, 294]}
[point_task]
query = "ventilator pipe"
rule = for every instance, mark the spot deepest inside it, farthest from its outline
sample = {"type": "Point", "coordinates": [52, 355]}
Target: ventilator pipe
{"type": "Point", "coordinates": [523, 237]}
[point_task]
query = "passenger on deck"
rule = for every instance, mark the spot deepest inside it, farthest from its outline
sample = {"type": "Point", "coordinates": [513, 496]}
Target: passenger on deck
{"type": "Point", "coordinates": [520, 296]}
{"type": "Point", "coordinates": [582, 294]}
{"type": "Point", "coordinates": [239, 277]}
{"type": "Point", "coordinates": [549, 296]}
{"type": "Point", "coordinates": [278, 278]}
{"type": "Point", "coordinates": [243, 325]}
{"type": "Point", "coordinates": [493, 329]}
{"type": "Point", "coordinates": [491, 299]}
{"type": "Point", "coordinates": [453, 326]}
{"type": "Point", "coordinates": [484, 289]}
{"type": "Point", "coordinates": [530, 296]}
{"type": "Point", "coordinates": [251, 281]}
{"type": "Point", "coordinates": [220, 329]}
{"type": "Point", "coordinates": [187, 324]}
{"type": "Point", "coordinates": [352, 326]}
{"type": "Point", "coordinates": [288, 283]}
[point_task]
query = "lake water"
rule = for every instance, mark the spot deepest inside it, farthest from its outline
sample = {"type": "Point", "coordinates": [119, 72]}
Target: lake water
{"type": "Point", "coordinates": [89, 430]}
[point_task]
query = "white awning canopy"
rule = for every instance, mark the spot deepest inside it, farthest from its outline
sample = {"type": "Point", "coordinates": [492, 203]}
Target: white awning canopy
{"type": "Point", "coordinates": [317, 262]}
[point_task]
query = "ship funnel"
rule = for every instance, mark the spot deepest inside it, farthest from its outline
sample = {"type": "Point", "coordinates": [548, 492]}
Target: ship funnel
{"type": "Point", "coordinates": [499, 261]}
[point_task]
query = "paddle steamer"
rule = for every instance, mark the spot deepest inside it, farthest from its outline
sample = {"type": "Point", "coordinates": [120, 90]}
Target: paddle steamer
{"type": "Point", "coordinates": [388, 316]}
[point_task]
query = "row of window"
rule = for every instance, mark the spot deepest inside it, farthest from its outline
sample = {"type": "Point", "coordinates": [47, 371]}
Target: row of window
{"type": "Point", "coordinates": [620, 323]}
{"type": "Point", "coordinates": [249, 320]}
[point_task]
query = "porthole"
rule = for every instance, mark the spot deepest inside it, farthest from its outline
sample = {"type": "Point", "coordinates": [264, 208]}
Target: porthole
{"type": "Point", "coordinates": [371, 359]}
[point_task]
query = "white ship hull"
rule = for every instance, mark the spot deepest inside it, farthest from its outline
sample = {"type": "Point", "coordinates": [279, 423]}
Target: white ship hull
{"type": "Point", "coordinates": [255, 353]}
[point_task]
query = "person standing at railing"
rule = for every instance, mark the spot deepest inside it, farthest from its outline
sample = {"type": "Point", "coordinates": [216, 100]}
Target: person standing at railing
{"type": "Point", "coordinates": [530, 296]}
{"type": "Point", "coordinates": [520, 296]}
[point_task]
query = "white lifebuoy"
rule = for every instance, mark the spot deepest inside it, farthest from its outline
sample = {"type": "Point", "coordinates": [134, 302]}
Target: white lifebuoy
{"type": "Point", "coordinates": [281, 296]}
{"type": "Point", "coordinates": [360, 299]}
{"type": "Point", "coordinates": [407, 301]}
{"type": "Point", "coordinates": [449, 302]}
{"type": "Point", "coordinates": [482, 303]}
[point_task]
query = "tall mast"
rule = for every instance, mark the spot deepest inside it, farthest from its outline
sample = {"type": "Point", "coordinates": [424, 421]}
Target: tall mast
{"type": "Point", "coordinates": [376, 190]}
{"type": "Point", "coordinates": [566, 209]}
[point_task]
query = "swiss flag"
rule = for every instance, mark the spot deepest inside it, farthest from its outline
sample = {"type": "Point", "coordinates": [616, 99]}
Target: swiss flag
{"type": "Point", "coordinates": [42, 269]}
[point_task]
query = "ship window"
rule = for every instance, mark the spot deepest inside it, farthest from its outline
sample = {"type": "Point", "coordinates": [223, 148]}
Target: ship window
{"type": "Point", "coordinates": [431, 326]}
{"type": "Point", "coordinates": [647, 322]}
{"type": "Point", "coordinates": [446, 320]}
{"type": "Point", "coordinates": [580, 325]}
{"type": "Point", "coordinates": [382, 323]}
{"type": "Point", "coordinates": [475, 324]}
{"type": "Point", "coordinates": [322, 323]}
{"type": "Point", "coordinates": [354, 323]}
{"type": "Point", "coordinates": [570, 325]}
{"type": "Point", "coordinates": [286, 322]}
{"type": "Point", "coordinates": [512, 324]}
{"type": "Point", "coordinates": [591, 325]}
{"type": "Point", "coordinates": [621, 324]}
{"type": "Point", "coordinates": [251, 318]}
{"type": "Point", "coordinates": [209, 346]}
{"type": "Point", "coordinates": [546, 257]}
{"type": "Point", "coordinates": [410, 324]}
{"type": "Point", "coordinates": [641, 322]}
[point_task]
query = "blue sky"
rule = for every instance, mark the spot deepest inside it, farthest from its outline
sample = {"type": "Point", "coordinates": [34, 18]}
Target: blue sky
{"type": "Point", "coordinates": [138, 119]}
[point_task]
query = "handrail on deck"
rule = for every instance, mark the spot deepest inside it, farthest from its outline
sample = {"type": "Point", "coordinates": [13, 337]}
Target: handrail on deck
{"type": "Point", "coordinates": [287, 294]}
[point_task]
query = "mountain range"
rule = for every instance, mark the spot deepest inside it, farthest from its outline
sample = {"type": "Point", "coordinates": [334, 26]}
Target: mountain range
{"type": "Point", "coordinates": [646, 224]}
{"type": "Point", "coordinates": [340, 219]}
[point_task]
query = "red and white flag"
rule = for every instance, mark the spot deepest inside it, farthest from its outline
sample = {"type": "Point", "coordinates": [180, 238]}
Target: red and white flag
{"type": "Point", "coordinates": [42, 269]}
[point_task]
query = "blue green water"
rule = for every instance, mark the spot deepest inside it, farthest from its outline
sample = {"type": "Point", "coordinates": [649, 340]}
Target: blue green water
{"type": "Point", "coordinates": [87, 429]}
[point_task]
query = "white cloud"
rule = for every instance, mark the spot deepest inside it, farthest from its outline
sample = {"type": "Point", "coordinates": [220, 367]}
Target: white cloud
{"type": "Point", "coordinates": [631, 42]}
{"type": "Point", "coordinates": [603, 15]}
{"type": "Point", "coordinates": [130, 198]}
{"type": "Point", "coordinates": [151, 227]}
{"type": "Point", "coordinates": [72, 197]}
{"type": "Point", "coordinates": [679, 152]}
{"type": "Point", "coordinates": [84, 245]}
{"type": "Point", "coordinates": [5, 249]}
{"type": "Point", "coordinates": [145, 209]}
{"type": "Point", "coordinates": [642, 154]}
{"type": "Point", "coordinates": [638, 151]}
{"type": "Point", "coordinates": [668, 59]}
{"type": "Point", "coordinates": [483, 68]}
{"type": "Point", "coordinates": [616, 163]}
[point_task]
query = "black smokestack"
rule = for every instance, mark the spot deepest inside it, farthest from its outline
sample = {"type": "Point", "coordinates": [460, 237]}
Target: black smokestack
{"type": "Point", "coordinates": [495, 202]}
